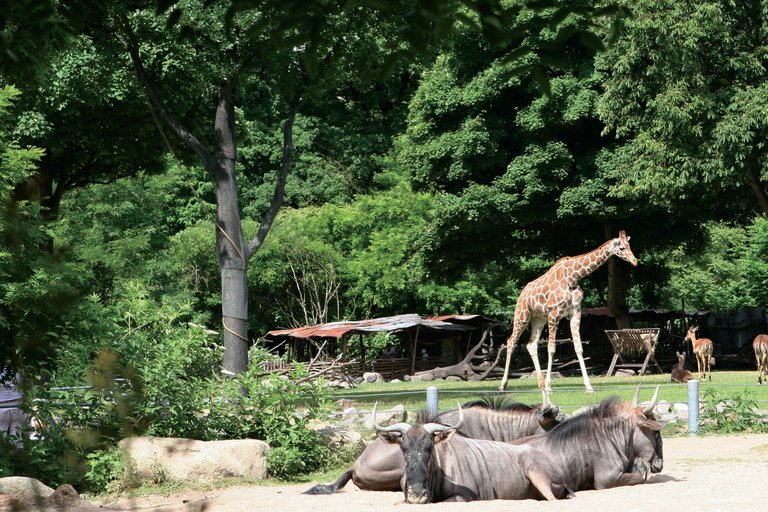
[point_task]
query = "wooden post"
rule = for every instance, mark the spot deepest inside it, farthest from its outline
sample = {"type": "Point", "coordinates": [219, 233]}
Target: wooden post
{"type": "Point", "coordinates": [413, 351]}
{"type": "Point", "coordinates": [343, 347]}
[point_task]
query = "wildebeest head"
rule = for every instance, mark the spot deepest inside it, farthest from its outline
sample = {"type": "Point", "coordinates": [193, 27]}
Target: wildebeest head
{"type": "Point", "coordinates": [418, 445]}
{"type": "Point", "coordinates": [647, 439]}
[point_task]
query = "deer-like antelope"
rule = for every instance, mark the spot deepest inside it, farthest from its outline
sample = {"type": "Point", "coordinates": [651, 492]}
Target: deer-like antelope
{"type": "Point", "coordinates": [680, 374]}
{"type": "Point", "coordinates": [702, 348]}
{"type": "Point", "coordinates": [761, 354]}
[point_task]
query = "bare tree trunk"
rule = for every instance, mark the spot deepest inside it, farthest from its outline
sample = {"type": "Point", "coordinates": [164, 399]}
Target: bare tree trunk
{"type": "Point", "coordinates": [618, 284]}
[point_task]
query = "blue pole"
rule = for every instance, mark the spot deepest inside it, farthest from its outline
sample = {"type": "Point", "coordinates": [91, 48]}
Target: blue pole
{"type": "Point", "coordinates": [432, 408]}
{"type": "Point", "coordinates": [693, 407]}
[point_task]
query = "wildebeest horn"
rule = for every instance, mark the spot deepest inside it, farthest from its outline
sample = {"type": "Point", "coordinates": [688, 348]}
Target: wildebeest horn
{"type": "Point", "coordinates": [636, 400]}
{"type": "Point", "coordinates": [649, 409]}
{"type": "Point", "coordinates": [432, 428]}
{"type": "Point", "coordinates": [399, 427]}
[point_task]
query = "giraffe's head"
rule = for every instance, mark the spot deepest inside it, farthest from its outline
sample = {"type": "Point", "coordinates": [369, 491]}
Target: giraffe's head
{"type": "Point", "coordinates": [620, 247]}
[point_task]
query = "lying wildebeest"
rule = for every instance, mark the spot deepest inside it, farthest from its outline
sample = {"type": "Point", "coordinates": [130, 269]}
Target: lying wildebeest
{"type": "Point", "coordinates": [380, 467]}
{"type": "Point", "coordinates": [613, 443]}
{"type": "Point", "coordinates": [443, 465]}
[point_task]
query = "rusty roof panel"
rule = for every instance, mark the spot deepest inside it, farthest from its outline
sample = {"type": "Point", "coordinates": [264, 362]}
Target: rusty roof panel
{"type": "Point", "coordinates": [391, 323]}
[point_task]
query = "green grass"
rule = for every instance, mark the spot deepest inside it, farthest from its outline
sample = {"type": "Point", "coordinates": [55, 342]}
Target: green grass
{"type": "Point", "coordinates": [568, 393]}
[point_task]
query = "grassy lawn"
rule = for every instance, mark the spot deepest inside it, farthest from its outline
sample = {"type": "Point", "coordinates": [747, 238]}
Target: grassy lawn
{"type": "Point", "coordinates": [568, 393]}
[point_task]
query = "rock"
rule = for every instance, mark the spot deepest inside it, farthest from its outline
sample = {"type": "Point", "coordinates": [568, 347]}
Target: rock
{"type": "Point", "coordinates": [24, 485]}
{"type": "Point", "coordinates": [337, 439]}
{"type": "Point", "coordinates": [398, 413]}
{"type": "Point", "coordinates": [351, 412]}
{"type": "Point", "coordinates": [395, 381]}
{"type": "Point", "coordinates": [406, 378]}
{"type": "Point", "coordinates": [384, 417]}
{"type": "Point", "coordinates": [663, 407]}
{"type": "Point", "coordinates": [371, 377]}
{"type": "Point", "coordinates": [416, 378]}
{"type": "Point", "coordinates": [187, 460]}
{"type": "Point", "coordinates": [453, 378]}
{"type": "Point", "coordinates": [344, 403]}
{"type": "Point", "coordinates": [426, 377]}
{"type": "Point", "coordinates": [624, 372]}
{"type": "Point", "coordinates": [63, 499]}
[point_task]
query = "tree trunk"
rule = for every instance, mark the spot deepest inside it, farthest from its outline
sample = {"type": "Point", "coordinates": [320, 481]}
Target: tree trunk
{"type": "Point", "coordinates": [230, 241]}
{"type": "Point", "coordinates": [618, 284]}
{"type": "Point", "coordinates": [757, 188]}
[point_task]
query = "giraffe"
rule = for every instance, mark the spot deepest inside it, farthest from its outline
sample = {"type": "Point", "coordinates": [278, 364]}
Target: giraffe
{"type": "Point", "coordinates": [554, 296]}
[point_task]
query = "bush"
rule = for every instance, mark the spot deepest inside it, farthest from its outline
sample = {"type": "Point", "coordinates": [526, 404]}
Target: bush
{"type": "Point", "coordinates": [277, 411]}
{"type": "Point", "coordinates": [150, 370]}
{"type": "Point", "coordinates": [733, 413]}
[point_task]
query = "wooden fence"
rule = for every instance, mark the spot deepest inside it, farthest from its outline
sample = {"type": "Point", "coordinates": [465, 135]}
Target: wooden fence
{"type": "Point", "coordinates": [390, 369]}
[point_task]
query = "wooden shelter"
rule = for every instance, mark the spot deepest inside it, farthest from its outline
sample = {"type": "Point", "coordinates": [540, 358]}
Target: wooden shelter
{"type": "Point", "coordinates": [445, 338]}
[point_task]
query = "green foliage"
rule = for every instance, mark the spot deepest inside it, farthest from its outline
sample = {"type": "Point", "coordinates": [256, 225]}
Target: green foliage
{"type": "Point", "coordinates": [106, 470]}
{"type": "Point", "coordinates": [36, 283]}
{"type": "Point", "coordinates": [686, 91]}
{"type": "Point", "coordinates": [732, 413]}
{"type": "Point", "coordinates": [278, 411]}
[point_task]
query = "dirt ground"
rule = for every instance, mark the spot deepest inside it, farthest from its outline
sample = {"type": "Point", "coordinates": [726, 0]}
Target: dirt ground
{"type": "Point", "coordinates": [705, 474]}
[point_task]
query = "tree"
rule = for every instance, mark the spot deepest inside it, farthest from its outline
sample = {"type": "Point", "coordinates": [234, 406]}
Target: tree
{"type": "Point", "coordinates": [521, 180]}
{"type": "Point", "coordinates": [312, 48]}
{"type": "Point", "coordinates": [686, 96]}
{"type": "Point", "coordinates": [36, 285]}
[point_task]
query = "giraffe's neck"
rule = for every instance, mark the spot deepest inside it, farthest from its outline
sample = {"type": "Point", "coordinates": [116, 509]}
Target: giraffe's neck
{"type": "Point", "coordinates": [582, 266]}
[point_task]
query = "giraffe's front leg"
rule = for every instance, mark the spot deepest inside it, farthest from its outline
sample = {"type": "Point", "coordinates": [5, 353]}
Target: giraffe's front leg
{"type": "Point", "coordinates": [537, 325]}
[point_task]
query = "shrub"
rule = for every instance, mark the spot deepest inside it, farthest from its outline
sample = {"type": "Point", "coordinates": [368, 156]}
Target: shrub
{"type": "Point", "coordinates": [737, 412]}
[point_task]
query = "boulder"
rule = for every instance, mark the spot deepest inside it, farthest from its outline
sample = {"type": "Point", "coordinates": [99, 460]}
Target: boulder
{"type": "Point", "coordinates": [24, 485]}
{"type": "Point", "coordinates": [187, 460]}
{"type": "Point", "coordinates": [344, 403]}
{"type": "Point", "coordinates": [393, 415]}
{"type": "Point", "coordinates": [338, 438]}
{"type": "Point", "coordinates": [65, 498]}
{"type": "Point", "coordinates": [372, 377]}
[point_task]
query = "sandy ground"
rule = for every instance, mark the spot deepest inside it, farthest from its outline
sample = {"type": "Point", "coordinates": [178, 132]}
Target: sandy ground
{"type": "Point", "coordinates": [713, 473]}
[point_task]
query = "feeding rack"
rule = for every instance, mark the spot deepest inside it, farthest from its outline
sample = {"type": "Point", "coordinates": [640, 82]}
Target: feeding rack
{"type": "Point", "coordinates": [633, 343]}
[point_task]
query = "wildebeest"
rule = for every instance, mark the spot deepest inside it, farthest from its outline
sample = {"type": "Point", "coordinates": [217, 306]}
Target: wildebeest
{"type": "Point", "coordinates": [442, 465]}
{"type": "Point", "coordinates": [680, 374]}
{"type": "Point", "coordinates": [761, 354]}
{"type": "Point", "coordinates": [380, 467]}
{"type": "Point", "coordinates": [611, 444]}
{"type": "Point", "coordinates": [702, 348]}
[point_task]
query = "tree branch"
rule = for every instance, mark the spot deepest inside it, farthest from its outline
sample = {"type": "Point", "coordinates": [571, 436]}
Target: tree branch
{"type": "Point", "coordinates": [130, 44]}
{"type": "Point", "coordinates": [279, 195]}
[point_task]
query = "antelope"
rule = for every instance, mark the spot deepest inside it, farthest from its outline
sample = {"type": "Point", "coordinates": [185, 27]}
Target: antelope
{"type": "Point", "coordinates": [702, 348]}
{"type": "Point", "coordinates": [761, 354]}
{"type": "Point", "coordinates": [680, 374]}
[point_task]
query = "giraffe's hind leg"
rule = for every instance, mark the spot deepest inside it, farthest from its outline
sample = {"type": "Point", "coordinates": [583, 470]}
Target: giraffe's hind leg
{"type": "Point", "coordinates": [521, 321]}
{"type": "Point", "coordinates": [537, 325]}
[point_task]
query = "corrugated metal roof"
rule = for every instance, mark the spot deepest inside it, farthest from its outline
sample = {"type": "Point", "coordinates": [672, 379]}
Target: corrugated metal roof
{"type": "Point", "coordinates": [391, 323]}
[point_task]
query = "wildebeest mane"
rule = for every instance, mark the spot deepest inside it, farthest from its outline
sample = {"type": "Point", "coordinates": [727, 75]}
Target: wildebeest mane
{"type": "Point", "coordinates": [499, 403]}
{"type": "Point", "coordinates": [600, 416]}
